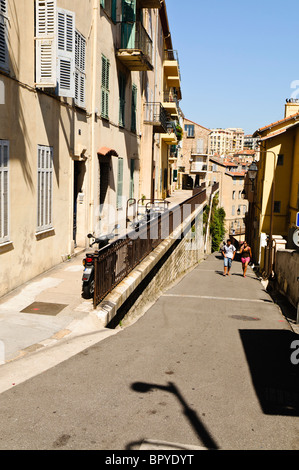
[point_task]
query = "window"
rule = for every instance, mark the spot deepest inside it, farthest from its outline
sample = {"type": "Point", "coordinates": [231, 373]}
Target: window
{"type": "Point", "coordinates": [233, 210]}
{"type": "Point", "coordinates": [3, 35]}
{"type": "Point", "coordinates": [200, 146]}
{"type": "Point", "coordinates": [189, 129]}
{"type": "Point", "coordinates": [122, 99]}
{"type": "Point", "coordinates": [120, 183]}
{"type": "Point", "coordinates": [110, 8]}
{"type": "Point", "coordinates": [234, 194]}
{"type": "Point", "coordinates": [280, 159]}
{"type": "Point", "coordinates": [105, 87]}
{"type": "Point", "coordinates": [277, 207]}
{"type": "Point", "coordinates": [55, 60]}
{"type": "Point", "coordinates": [4, 191]}
{"type": "Point", "coordinates": [134, 108]}
{"type": "Point", "coordinates": [45, 188]}
{"type": "Point", "coordinates": [80, 77]}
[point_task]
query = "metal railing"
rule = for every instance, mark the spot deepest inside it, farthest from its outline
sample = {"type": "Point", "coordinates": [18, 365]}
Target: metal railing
{"type": "Point", "coordinates": [135, 37]}
{"type": "Point", "coordinates": [114, 262]}
{"type": "Point", "coordinates": [170, 97]}
{"type": "Point", "coordinates": [170, 54]}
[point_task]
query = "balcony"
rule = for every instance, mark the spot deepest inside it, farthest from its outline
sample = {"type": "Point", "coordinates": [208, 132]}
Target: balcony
{"type": "Point", "coordinates": [198, 167]}
{"type": "Point", "coordinates": [150, 3]}
{"type": "Point", "coordinates": [171, 104]}
{"type": "Point", "coordinates": [171, 137]}
{"type": "Point", "coordinates": [157, 116]}
{"type": "Point", "coordinates": [172, 72]}
{"type": "Point", "coordinates": [135, 50]}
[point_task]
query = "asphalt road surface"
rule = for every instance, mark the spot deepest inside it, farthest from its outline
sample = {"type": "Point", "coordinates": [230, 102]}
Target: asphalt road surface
{"type": "Point", "coordinates": [208, 365]}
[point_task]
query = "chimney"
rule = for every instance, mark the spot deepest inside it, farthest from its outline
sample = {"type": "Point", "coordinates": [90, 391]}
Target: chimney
{"type": "Point", "coordinates": [291, 107]}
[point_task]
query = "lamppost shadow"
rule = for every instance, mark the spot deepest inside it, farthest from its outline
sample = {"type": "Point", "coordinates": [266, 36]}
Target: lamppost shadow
{"type": "Point", "coordinates": [201, 431]}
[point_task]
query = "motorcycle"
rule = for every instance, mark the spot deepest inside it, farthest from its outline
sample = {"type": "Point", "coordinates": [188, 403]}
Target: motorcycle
{"type": "Point", "coordinates": [88, 262]}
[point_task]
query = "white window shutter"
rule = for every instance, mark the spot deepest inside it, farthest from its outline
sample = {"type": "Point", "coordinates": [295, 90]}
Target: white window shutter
{"type": "Point", "coordinates": [80, 76]}
{"type": "Point", "coordinates": [46, 44]}
{"type": "Point", "coordinates": [3, 35]}
{"type": "Point", "coordinates": [66, 53]}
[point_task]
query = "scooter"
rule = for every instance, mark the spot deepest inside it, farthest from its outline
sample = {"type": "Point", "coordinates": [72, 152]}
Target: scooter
{"type": "Point", "coordinates": [88, 263]}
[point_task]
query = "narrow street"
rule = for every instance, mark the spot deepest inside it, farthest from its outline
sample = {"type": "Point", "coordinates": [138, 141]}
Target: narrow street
{"type": "Point", "coordinates": [208, 365]}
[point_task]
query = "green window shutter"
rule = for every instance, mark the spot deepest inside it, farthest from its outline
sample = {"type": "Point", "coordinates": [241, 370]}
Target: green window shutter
{"type": "Point", "coordinates": [105, 87]}
{"type": "Point", "coordinates": [134, 108]}
{"type": "Point", "coordinates": [132, 168]}
{"type": "Point", "coordinates": [120, 183]}
{"type": "Point", "coordinates": [122, 100]}
{"type": "Point", "coordinates": [113, 11]}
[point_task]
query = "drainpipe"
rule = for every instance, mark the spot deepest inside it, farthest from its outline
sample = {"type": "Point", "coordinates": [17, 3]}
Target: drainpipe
{"type": "Point", "coordinates": [209, 219]}
{"type": "Point", "coordinates": [93, 112]}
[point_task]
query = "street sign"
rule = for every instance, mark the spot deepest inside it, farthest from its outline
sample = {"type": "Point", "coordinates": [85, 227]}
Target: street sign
{"type": "Point", "coordinates": [297, 220]}
{"type": "Point", "coordinates": [296, 237]}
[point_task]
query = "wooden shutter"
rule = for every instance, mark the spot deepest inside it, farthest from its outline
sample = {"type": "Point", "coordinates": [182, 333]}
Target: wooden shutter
{"type": "Point", "coordinates": [80, 76]}
{"type": "Point", "coordinates": [120, 183]}
{"type": "Point", "coordinates": [46, 43]}
{"type": "Point", "coordinates": [45, 188]}
{"type": "Point", "coordinates": [132, 169]}
{"type": "Point", "coordinates": [134, 108]}
{"type": "Point", "coordinates": [122, 99]}
{"type": "Point", "coordinates": [66, 53]}
{"type": "Point", "coordinates": [3, 35]}
{"type": "Point", "coordinates": [105, 87]}
{"type": "Point", "coordinates": [4, 191]}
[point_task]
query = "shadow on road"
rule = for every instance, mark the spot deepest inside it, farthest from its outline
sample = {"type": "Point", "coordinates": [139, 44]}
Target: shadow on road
{"type": "Point", "coordinates": [203, 434]}
{"type": "Point", "coordinates": [275, 377]}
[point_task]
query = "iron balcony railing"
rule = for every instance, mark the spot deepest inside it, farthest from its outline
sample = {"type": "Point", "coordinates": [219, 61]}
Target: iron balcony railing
{"type": "Point", "coordinates": [135, 37]}
{"type": "Point", "coordinates": [114, 262]}
{"type": "Point", "coordinates": [170, 97]}
{"type": "Point", "coordinates": [156, 114]}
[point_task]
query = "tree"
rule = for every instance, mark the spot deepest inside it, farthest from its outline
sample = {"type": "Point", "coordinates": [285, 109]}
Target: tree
{"type": "Point", "coordinates": [217, 229]}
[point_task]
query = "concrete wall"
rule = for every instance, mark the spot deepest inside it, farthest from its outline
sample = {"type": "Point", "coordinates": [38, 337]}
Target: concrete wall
{"type": "Point", "coordinates": [287, 272]}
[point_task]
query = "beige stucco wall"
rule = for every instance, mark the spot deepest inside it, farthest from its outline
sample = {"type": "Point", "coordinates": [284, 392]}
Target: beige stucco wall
{"type": "Point", "coordinates": [31, 117]}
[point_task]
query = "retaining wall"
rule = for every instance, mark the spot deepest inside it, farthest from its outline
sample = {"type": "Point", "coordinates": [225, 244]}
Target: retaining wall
{"type": "Point", "coordinates": [167, 263]}
{"type": "Point", "coordinates": [287, 274]}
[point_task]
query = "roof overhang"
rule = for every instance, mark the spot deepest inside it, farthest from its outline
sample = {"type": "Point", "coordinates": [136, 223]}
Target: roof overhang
{"type": "Point", "coordinates": [107, 152]}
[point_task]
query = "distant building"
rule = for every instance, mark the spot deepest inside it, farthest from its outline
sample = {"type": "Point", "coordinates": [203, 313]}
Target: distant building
{"type": "Point", "coordinates": [193, 157]}
{"type": "Point", "coordinates": [230, 174]}
{"type": "Point", "coordinates": [226, 141]}
{"type": "Point", "coordinates": [250, 142]}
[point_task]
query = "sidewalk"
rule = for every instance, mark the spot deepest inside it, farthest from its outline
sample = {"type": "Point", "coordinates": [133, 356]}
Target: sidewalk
{"type": "Point", "coordinates": [44, 310]}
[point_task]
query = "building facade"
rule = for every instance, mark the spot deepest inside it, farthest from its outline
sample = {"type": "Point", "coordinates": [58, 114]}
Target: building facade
{"type": "Point", "coordinates": [231, 176]}
{"type": "Point", "coordinates": [77, 81]}
{"type": "Point", "coordinates": [193, 158]}
{"type": "Point", "coordinates": [275, 202]}
{"type": "Point", "coordinates": [226, 141]}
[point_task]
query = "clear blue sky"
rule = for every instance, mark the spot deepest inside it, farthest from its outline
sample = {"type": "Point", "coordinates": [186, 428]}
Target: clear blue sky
{"type": "Point", "coordinates": [238, 59]}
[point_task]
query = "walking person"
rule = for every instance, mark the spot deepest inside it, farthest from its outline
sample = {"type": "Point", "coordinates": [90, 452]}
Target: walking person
{"type": "Point", "coordinates": [228, 252]}
{"type": "Point", "coordinates": [246, 256]}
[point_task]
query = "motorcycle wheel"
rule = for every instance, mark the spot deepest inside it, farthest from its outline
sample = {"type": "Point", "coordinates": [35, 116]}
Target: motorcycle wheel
{"type": "Point", "coordinates": [88, 289]}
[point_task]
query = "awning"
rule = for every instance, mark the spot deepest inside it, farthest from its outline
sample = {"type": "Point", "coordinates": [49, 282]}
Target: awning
{"type": "Point", "coordinates": [107, 152]}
